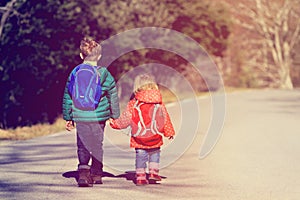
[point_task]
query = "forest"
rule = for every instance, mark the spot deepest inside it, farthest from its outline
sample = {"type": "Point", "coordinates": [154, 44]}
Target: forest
{"type": "Point", "coordinates": [253, 43]}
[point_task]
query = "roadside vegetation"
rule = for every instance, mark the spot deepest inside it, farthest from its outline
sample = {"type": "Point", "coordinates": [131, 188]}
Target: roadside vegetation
{"type": "Point", "coordinates": [254, 44]}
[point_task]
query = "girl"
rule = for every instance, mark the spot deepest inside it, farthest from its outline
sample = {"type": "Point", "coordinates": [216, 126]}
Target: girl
{"type": "Point", "coordinates": [149, 121]}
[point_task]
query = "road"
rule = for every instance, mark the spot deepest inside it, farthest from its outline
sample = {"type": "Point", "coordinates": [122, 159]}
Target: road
{"type": "Point", "coordinates": [256, 157]}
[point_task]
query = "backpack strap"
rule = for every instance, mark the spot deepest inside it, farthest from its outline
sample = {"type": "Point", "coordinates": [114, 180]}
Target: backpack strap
{"type": "Point", "coordinates": [141, 123]}
{"type": "Point", "coordinates": [97, 68]}
{"type": "Point", "coordinates": [153, 126]}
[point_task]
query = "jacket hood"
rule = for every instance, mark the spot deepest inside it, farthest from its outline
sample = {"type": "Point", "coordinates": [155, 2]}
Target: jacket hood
{"type": "Point", "coordinates": [149, 96]}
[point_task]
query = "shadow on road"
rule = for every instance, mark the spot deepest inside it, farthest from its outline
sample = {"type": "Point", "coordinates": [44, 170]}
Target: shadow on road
{"type": "Point", "coordinates": [128, 175]}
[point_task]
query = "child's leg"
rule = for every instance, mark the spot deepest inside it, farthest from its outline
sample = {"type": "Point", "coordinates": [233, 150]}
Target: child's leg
{"type": "Point", "coordinates": [96, 170]}
{"type": "Point", "coordinates": [154, 157]}
{"type": "Point", "coordinates": [84, 178]}
{"type": "Point", "coordinates": [140, 165]}
{"type": "Point", "coordinates": [82, 152]}
{"type": "Point", "coordinates": [97, 130]}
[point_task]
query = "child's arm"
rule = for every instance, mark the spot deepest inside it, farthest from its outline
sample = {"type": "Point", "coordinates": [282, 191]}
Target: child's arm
{"type": "Point", "coordinates": [67, 103]}
{"type": "Point", "coordinates": [168, 126]}
{"type": "Point", "coordinates": [124, 120]}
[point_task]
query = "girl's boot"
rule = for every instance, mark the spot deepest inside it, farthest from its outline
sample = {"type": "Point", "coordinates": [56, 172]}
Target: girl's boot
{"type": "Point", "coordinates": [153, 171]}
{"type": "Point", "coordinates": [141, 177]}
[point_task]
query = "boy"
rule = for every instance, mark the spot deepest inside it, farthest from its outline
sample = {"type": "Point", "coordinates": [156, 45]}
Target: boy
{"type": "Point", "coordinates": [90, 124]}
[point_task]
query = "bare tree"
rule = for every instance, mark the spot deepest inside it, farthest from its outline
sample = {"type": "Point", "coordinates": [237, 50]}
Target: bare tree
{"type": "Point", "coordinates": [268, 33]}
{"type": "Point", "coordinates": [6, 12]}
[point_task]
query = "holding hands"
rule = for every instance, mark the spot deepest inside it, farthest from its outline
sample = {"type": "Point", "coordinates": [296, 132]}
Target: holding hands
{"type": "Point", "coordinates": [70, 125]}
{"type": "Point", "coordinates": [111, 122]}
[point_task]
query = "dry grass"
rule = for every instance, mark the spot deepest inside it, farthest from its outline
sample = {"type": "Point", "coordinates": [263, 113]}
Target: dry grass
{"type": "Point", "coordinates": [24, 133]}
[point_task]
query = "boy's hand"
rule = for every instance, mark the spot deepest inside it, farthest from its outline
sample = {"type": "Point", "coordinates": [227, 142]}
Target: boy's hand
{"type": "Point", "coordinates": [111, 121]}
{"type": "Point", "coordinates": [70, 125]}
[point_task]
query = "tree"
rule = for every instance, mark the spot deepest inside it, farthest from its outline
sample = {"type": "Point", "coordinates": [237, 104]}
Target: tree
{"type": "Point", "coordinates": [39, 46]}
{"type": "Point", "coordinates": [205, 22]}
{"type": "Point", "coordinates": [40, 40]}
{"type": "Point", "coordinates": [25, 60]}
{"type": "Point", "coordinates": [267, 32]}
{"type": "Point", "coordinates": [9, 10]}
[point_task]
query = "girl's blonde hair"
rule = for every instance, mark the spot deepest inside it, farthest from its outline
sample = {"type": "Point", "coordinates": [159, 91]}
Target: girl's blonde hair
{"type": "Point", "coordinates": [90, 49]}
{"type": "Point", "coordinates": [144, 82]}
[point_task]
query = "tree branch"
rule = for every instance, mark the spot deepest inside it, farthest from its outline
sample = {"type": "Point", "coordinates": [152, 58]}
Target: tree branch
{"type": "Point", "coordinates": [6, 13]}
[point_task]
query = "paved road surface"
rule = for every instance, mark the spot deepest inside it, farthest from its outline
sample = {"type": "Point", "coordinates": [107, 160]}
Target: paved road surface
{"type": "Point", "coordinates": [257, 157]}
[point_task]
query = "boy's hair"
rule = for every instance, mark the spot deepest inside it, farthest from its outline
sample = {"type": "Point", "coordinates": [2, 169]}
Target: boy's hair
{"type": "Point", "coordinates": [90, 49]}
{"type": "Point", "coordinates": [144, 82]}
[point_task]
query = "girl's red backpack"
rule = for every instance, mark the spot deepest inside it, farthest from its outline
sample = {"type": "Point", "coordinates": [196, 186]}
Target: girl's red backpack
{"type": "Point", "coordinates": [147, 123]}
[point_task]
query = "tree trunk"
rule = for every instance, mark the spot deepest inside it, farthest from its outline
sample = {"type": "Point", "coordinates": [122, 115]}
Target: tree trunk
{"type": "Point", "coordinates": [286, 81]}
{"type": "Point", "coordinates": [287, 84]}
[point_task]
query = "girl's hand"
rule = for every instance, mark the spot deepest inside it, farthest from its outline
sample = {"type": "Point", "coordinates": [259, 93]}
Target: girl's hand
{"type": "Point", "coordinates": [170, 137]}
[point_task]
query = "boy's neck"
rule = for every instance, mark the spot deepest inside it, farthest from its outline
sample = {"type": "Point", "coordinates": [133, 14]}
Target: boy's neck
{"type": "Point", "coordinates": [93, 63]}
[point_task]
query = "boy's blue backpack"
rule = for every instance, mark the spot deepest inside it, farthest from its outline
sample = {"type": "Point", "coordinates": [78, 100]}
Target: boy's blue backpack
{"type": "Point", "coordinates": [85, 87]}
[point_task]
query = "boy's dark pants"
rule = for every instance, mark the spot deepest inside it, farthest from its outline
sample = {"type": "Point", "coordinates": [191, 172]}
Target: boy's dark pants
{"type": "Point", "coordinates": [90, 145]}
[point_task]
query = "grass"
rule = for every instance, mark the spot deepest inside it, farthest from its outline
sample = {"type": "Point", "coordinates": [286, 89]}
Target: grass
{"type": "Point", "coordinates": [29, 132]}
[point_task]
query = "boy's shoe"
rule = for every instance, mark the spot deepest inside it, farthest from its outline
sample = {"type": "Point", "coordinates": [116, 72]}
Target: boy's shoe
{"type": "Point", "coordinates": [97, 179]}
{"type": "Point", "coordinates": [84, 179]}
{"type": "Point", "coordinates": [154, 177]}
{"type": "Point", "coordinates": [141, 182]}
